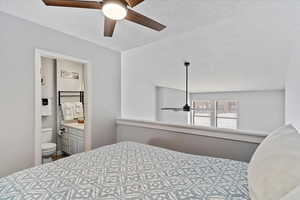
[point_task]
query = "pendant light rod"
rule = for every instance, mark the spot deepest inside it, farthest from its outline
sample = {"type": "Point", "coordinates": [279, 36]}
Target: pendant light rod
{"type": "Point", "coordinates": [186, 107]}
{"type": "Point", "coordinates": [187, 64]}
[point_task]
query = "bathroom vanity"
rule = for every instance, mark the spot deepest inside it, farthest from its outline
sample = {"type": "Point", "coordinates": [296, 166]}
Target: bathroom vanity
{"type": "Point", "coordinates": [72, 138]}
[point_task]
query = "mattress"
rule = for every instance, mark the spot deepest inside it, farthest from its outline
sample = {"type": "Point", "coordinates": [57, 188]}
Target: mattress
{"type": "Point", "coordinates": [132, 171]}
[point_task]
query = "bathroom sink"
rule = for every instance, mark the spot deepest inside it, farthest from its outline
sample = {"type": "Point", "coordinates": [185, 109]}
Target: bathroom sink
{"type": "Point", "coordinates": [74, 125]}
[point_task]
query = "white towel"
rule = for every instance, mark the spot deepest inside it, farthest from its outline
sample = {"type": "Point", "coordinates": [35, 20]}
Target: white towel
{"type": "Point", "coordinates": [78, 110]}
{"type": "Point", "coordinates": [68, 111]}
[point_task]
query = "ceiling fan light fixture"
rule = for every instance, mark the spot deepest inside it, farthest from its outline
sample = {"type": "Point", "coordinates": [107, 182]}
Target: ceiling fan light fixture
{"type": "Point", "coordinates": [115, 10]}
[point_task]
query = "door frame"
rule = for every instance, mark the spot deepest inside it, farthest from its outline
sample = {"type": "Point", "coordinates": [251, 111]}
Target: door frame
{"type": "Point", "coordinates": [39, 53]}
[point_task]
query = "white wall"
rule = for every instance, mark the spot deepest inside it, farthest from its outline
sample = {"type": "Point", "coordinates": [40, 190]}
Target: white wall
{"type": "Point", "coordinates": [245, 52]}
{"type": "Point", "coordinates": [18, 39]}
{"type": "Point", "coordinates": [258, 110]}
{"type": "Point", "coordinates": [293, 87]}
{"type": "Point", "coordinates": [201, 142]}
{"type": "Point", "coordinates": [64, 84]}
{"type": "Point", "coordinates": [48, 73]}
{"type": "Point", "coordinates": [170, 98]}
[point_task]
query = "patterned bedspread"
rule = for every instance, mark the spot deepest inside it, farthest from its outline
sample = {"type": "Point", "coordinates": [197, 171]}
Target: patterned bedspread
{"type": "Point", "coordinates": [130, 171]}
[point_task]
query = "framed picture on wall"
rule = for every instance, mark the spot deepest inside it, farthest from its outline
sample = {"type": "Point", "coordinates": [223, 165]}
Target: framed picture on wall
{"type": "Point", "coordinates": [69, 75]}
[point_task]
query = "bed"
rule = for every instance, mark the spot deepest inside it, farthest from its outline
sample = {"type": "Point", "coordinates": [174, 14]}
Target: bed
{"type": "Point", "coordinates": [132, 171]}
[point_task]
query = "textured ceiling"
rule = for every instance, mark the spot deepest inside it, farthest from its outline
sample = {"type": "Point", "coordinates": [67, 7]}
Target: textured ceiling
{"type": "Point", "coordinates": [180, 16]}
{"type": "Point", "coordinates": [249, 51]}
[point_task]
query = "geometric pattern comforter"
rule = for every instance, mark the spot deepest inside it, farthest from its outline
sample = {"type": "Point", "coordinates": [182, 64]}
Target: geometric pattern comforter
{"type": "Point", "coordinates": [132, 171]}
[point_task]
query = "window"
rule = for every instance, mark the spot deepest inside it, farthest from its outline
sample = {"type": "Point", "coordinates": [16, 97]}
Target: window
{"type": "Point", "coordinates": [203, 114]}
{"type": "Point", "coordinates": [220, 113]}
{"type": "Point", "coordinates": [227, 114]}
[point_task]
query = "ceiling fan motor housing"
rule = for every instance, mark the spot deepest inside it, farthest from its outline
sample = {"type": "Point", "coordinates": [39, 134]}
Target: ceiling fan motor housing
{"type": "Point", "coordinates": [187, 64]}
{"type": "Point", "coordinates": [186, 108]}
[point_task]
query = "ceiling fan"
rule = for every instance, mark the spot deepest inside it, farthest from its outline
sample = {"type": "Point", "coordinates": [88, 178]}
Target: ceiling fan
{"type": "Point", "coordinates": [186, 107]}
{"type": "Point", "coordinates": [114, 10]}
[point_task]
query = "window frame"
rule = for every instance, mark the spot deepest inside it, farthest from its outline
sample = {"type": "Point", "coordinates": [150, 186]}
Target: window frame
{"type": "Point", "coordinates": [237, 113]}
{"type": "Point", "coordinates": [193, 115]}
{"type": "Point", "coordinates": [214, 115]}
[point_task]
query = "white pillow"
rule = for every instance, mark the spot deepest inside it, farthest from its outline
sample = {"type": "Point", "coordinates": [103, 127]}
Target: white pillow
{"type": "Point", "coordinates": [274, 169]}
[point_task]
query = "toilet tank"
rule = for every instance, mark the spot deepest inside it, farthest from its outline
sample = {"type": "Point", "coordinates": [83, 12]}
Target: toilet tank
{"type": "Point", "coordinates": [47, 135]}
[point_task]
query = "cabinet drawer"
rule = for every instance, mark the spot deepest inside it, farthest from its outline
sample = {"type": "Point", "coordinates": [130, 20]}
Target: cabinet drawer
{"type": "Point", "coordinates": [72, 140]}
{"type": "Point", "coordinates": [76, 144]}
{"type": "Point", "coordinates": [76, 132]}
{"type": "Point", "coordinates": [65, 143]}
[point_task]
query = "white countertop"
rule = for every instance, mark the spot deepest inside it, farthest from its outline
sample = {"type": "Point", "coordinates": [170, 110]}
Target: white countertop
{"type": "Point", "coordinates": [74, 125]}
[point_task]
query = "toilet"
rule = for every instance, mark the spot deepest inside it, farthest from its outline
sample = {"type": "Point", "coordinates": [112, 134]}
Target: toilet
{"type": "Point", "coordinates": [48, 148]}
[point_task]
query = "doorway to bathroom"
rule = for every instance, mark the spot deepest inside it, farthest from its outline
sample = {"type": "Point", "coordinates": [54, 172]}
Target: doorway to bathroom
{"type": "Point", "coordinates": [62, 106]}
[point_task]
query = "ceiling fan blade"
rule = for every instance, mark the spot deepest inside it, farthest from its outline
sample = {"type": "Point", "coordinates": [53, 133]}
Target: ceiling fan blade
{"type": "Point", "coordinates": [74, 3]}
{"type": "Point", "coordinates": [109, 27]}
{"type": "Point", "coordinates": [144, 21]}
{"type": "Point", "coordinates": [173, 109]}
{"type": "Point", "coordinates": [133, 3]}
